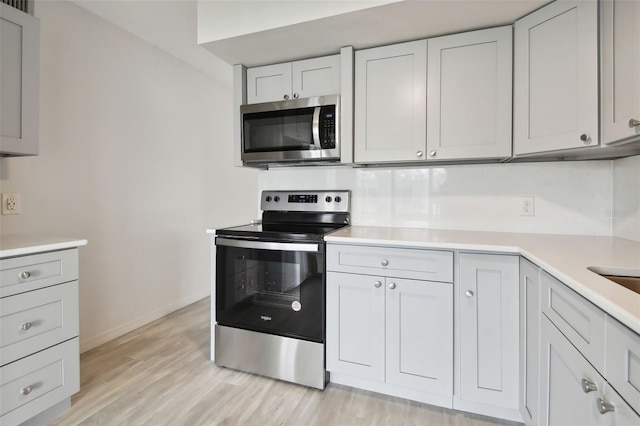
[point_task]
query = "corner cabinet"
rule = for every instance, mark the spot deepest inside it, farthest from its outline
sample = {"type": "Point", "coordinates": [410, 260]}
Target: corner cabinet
{"type": "Point", "coordinates": [292, 80]}
{"type": "Point", "coordinates": [469, 92]}
{"type": "Point", "coordinates": [556, 78]}
{"type": "Point", "coordinates": [488, 335]}
{"type": "Point", "coordinates": [529, 340]}
{"type": "Point", "coordinates": [388, 331]}
{"type": "Point", "coordinates": [391, 103]}
{"type": "Point", "coordinates": [620, 70]}
{"type": "Point", "coordinates": [19, 82]}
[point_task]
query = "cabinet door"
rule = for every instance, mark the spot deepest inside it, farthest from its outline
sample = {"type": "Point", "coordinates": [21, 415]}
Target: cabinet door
{"type": "Point", "coordinates": [355, 325]}
{"type": "Point", "coordinates": [269, 83]}
{"type": "Point", "coordinates": [488, 299]}
{"type": "Point", "coordinates": [620, 43]}
{"type": "Point", "coordinates": [420, 335]}
{"type": "Point", "coordinates": [19, 82]}
{"type": "Point", "coordinates": [469, 95]}
{"type": "Point", "coordinates": [556, 78]}
{"type": "Point", "coordinates": [390, 103]}
{"type": "Point", "coordinates": [316, 77]}
{"type": "Point", "coordinates": [563, 401]}
{"type": "Point", "coordinates": [529, 340]}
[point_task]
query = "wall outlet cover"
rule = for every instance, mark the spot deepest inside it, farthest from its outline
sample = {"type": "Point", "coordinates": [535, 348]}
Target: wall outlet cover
{"type": "Point", "coordinates": [10, 203]}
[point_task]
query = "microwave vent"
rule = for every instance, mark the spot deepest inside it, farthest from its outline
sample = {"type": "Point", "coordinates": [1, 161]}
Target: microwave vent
{"type": "Point", "coordinates": [24, 5]}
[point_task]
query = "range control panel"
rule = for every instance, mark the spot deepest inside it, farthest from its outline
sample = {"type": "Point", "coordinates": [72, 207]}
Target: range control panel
{"type": "Point", "coordinates": [306, 201]}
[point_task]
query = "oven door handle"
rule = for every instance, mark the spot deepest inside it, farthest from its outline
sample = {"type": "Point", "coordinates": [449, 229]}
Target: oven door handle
{"type": "Point", "coordinates": [267, 245]}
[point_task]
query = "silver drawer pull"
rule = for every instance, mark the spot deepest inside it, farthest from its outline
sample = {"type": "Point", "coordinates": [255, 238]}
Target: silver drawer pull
{"type": "Point", "coordinates": [634, 123]}
{"type": "Point", "coordinates": [392, 286]}
{"type": "Point", "coordinates": [25, 275]}
{"type": "Point", "coordinates": [384, 262]}
{"type": "Point", "coordinates": [26, 390]}
{"type": "Point", "coordinates": [588, 386]}
{"type": "Point", "coordinates": [604, 407]}
{"type": "Point", "coordinates": [585, 138]}
{"type": "Point", "coordinates": [468, 293]}
{"type": "Point", "coordinates": [26, 326]}
{"type": "Point", "coordinates": [377, 284]}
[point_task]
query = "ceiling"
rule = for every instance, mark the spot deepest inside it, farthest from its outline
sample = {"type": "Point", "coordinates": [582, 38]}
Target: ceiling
{"type": "Point", "coordinates": [375, 26]}
{"type": "Point", "coordinates": [171, 25]}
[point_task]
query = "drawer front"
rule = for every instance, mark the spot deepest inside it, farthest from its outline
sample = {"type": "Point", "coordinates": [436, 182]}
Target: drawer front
{"type": "Point", "coordinates": [623, 361]}
{"type": "Point", "coordinates": [578, 319]}
{"type": "Point", "coordinates": [37, 382]}
{"type": "Point", "coordinates": [26, 273]}
{"type": "Point", "coordinates": [32, 321]}
{"type": "Point", "coordinates": [430, 265]}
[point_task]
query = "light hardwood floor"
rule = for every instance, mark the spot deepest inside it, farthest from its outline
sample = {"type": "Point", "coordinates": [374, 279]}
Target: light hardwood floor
{"type": "Point", "coordinates": [161, 374]}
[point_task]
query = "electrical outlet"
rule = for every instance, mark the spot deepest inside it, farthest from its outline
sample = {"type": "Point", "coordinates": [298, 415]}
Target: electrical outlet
{"type": "Point", "coordinates": [527, 206]}
{"type": "Point", "coordinates": [10, 203]}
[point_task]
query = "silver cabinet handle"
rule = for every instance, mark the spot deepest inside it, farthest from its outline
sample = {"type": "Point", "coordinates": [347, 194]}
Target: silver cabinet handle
{"type": "Point", "coordinates": [585, 138]}
{"type": "Point", "coordinates": [384, 262]}
{"type": "Point", "coordinates": [634, 123]}
{"type": "Point", "coordinates": [392, 286]}
{"type": "Point", "coordinates": [26, 390]}
{"type": "Point", "coordinates": [433, 153]}
{"type": "Point", "coordinates": [378, 284]}
{"type": "Point", "coordinates": [604, 407]}
{"type": "Point", "coordinates": [25, 275]}
{"type": "Point", "coordinates": [286, 97]}
{"type": "Point", "coordinates": [468, 293]}
{"type": "Point", "coordinates": [26, 326]}
{"type": "Point", "coordinates": [419, 154]}
{"type": "Point", "coordinates": [588, 386]}
{"type": "Point", "coordinates": [296, 96]}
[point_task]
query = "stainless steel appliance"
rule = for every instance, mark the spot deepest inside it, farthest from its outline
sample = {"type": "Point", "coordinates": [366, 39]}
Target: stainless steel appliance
{"type": "Point", "coordinates": [270, 287]}
{"type": "Point", "coordinates": [297, 130]}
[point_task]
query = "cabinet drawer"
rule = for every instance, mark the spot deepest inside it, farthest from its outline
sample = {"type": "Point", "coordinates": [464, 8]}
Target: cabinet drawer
{"type": "Point", "coordinates": [26, 273]}
{"type": "Point", "coordinates": [39, 381]}
{"type": "Point", "coordinates": [430, 265]}
{"type": "Point", "coordinates": [578, 319]}
{"type": "Point", "coordinates": [623, 361]}
{"type": "Point", "coordinates": [32, 321]}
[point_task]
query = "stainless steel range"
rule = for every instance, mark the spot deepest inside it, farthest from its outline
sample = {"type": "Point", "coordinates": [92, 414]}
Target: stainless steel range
{"type": "Point", "coordinates": [270, 287]}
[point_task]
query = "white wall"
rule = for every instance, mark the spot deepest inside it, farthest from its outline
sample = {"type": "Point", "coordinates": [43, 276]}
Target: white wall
{"type": "Point", "coordinates": [625, 210]}
{"type": "Point", "coordinates": [136, 157]}
{"type": "Point", "coordinates": [570, 197]}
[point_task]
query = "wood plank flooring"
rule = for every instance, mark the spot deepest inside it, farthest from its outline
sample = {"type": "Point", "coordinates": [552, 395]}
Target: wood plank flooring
{"type": "Point", "coordinates": [161, 374]}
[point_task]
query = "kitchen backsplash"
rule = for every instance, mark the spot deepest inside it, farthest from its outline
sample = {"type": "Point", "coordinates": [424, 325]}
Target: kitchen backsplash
{"type": "Point", "coordinates": [569, 197]}
{"type": "Point", "coordinates": [625, 209]}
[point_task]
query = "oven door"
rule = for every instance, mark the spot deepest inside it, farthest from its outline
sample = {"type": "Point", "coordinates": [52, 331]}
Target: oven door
{"type": "Point", "coordinates": [271, 287]}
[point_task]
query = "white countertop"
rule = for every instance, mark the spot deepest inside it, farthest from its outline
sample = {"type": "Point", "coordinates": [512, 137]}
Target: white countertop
{"type": "Point", "coordinates": [564, 256]}
{"type": "Point", "coordinates": [19, 245]}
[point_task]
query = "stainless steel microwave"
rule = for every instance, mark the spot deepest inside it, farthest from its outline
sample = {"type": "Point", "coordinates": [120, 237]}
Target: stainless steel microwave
{"type": "Point", "coordinates": [291, 131]}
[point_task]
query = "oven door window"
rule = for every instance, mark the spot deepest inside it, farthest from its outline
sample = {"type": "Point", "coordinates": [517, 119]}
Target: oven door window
{"type": "Point", "coordinates": [274, 291]}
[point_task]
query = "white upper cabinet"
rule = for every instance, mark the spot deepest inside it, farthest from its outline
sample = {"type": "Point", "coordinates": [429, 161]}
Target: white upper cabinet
{"type": "Point", "coordinates": [390, 103]}
{"type": "Point", "coordinates": [469, 95]}
{"type": "Point", "coordinates": [620, 67]}
{"type": "Point", "coordinates": [19, 82]}
{"type": "Point", "coordinates": [556, 78]}
{"type": "Point", "coordinates": [292, 80]}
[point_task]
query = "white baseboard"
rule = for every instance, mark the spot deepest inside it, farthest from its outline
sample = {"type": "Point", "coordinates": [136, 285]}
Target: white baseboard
{"type": "Point", "coordinates": [95, 341]}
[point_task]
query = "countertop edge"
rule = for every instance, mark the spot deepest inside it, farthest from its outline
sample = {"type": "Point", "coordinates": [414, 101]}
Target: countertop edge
{"type": "Point", "coordinates": [42, 247]}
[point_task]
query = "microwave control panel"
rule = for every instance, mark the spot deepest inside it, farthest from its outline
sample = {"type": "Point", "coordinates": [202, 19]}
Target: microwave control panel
{"type": "Point", "coordinates": [328, 127]}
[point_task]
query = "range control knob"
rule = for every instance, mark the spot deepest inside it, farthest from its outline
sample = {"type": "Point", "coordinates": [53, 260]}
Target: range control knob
{"type": "Point", "coordinates": [328, 199]}
{"type": "Point", "coordinates": [338, 199]}
{"type": "Point", "coordinates": [268, 199]}
{"type": "Point", "coordinates": [276, 198]}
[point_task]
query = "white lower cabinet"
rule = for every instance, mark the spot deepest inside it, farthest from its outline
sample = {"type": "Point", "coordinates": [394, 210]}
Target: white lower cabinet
{"type": "Point", "coordinates": [574, 393]}
{"type": "Point", "coordinates": [391, 330]}
{"type": "Point", "coordinates": [529, 340]}
{"type": "Point", "coordinates": [488, 338]}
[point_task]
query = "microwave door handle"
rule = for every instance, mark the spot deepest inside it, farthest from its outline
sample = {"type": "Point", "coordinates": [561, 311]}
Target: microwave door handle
{"type": "Point", "coordinates": [264, 245]}
{"type": "Point", "coordinates": [316, 126]}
